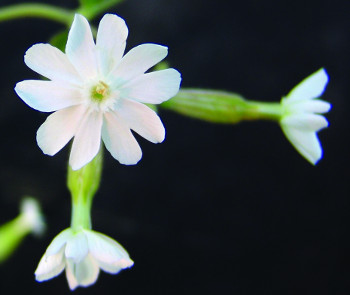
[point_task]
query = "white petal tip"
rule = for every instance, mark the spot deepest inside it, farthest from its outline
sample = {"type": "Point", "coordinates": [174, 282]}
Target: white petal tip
{"type": "Point", "coordinates": [310, 88]}
{"type": "Point", "coordinates": [76, 165]}
{"type": "Point", "coordinates": [129, 162]}
{"type": "Point", "coordinates": [159, 135]}
{"type": "Point", "coordinates": [31, 51]}
{"type": "Point", "coordinates": [78, 16]}
{"type": "Point", "coordinates": [39, 278]}
{"type": "Point", "coordinates": [126, 263]}
{"type": "Point", "coordinates": [305, 142]}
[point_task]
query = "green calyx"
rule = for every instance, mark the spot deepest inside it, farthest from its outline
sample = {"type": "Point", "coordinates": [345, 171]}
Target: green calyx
{"type": "Point", "coordinates": [221, 107]}
{"type": "Point", "coordinates": [83, 184]}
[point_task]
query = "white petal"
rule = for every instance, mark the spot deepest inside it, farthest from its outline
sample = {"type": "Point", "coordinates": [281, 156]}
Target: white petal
{"type": "Point", "coordinates": [110, 255]}
{"type": "Point", "coordinates": [59, 128]}
{"type": "Point", "coordinates": [87, 271]}
{"type": "Point", "coordinates": [155, 87]}
{"type": "Point", "coordinates": [80, 48]}
{"type": "Point", "coordinates": [142, 120]}
{"type": "Point", "coordinates": [83, 274]}
{"type": "Point", "coordinates": [51, 63]}
{"type": "Point", "coordinates": [111, 41]}
{"type": "Point", "coordinates": [305, 142]}
{"type": "Point", "coordinates": [77, 247]}
{"type": "Point", "coordinates": [137, 61]}
{"type": "Point", "coordinates": [50, 266]}
{"type": "Point", "coordinates": [59, 241]}
{"type": "Point", "coordinates": [305, 121]}
{"type": "Point", "coordinates": [47, 96]}
{"type": "Point", "coordinates": [70, 274]}
{"type": "Point", "coordinates": [310, 106]}
{"type": "Point", "coordinates": [311, 87]}
{"type": "Point", "coordinates": [87, 140]}
{"type": "Point", "coordinates": [119, 140]}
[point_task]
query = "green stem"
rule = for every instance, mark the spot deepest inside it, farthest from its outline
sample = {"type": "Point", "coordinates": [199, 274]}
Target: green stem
{"type": "Point", "coordinates": [90, 11]}
{"type": "Point", "coordinates": [81, 216]}
{"type": "Point", "coordinates": [11, 234]}
{"type": "Point", "coordinates": [83, 184]}
{"type": "Point", "coordinates": [38, 10]}
{"type": "Point", "coordinates": [262, 111]}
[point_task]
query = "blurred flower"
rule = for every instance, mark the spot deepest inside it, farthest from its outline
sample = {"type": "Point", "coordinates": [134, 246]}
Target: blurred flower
{"type": "Point", "coordinates": [30, 220]}
{"type": "Point", "coordinates": [82, 253]}
{"type": "Point", "coordinates": [32, 216]}
{"type": "Point", "coordinates": [96, 92]}
{"type": "Point", "coordinates": [301, 119]}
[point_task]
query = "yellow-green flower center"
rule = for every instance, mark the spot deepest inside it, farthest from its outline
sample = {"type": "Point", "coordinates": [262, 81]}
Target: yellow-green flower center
{"type": "Point", "coordinates": [100, 91]}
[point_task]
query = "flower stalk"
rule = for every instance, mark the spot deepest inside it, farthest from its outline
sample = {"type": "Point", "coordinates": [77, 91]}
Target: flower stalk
{"type": "Point", "coordinates": [83, 184]}
{"type": "Point", "coordinates": [13, 232]}
{"type": "Point", "coordinates": [221, 107]}
{"type": "Point", "coordinates": [37, 10]}
{"type": "Point", "coordinates": [90, 9]}
{"type": "Point", "coordinates": [299, 113]}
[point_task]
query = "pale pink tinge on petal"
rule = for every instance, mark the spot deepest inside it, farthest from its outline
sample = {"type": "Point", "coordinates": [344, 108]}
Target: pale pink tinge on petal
{"type": "Point", "coordinates": [115, 267]}
{"type": "Point", "coordinates": [50, 266]}
{"type": "Point", "coordinates": [137, 61]}
{"type": "Point", "coordinates": [110, 41]}
{"type": "Point", "coordinates": [105, 249]}
{"type": "Point", "coordinates": [119, 140]}
{"type": "Point", "coordinates": [70, 274]}
{"type": "Point", "coordinates": [86, 272]}
{"type": "Point", "coordinates": [155, 87]}
{"type": "Point", "coordinates": [109, 254]}
{"type": "Point", "coordinates": [51, 63]}
{"type": "Point", "coordinates": [142, 120]}
{"type": "Point", "coordinates": [59, 128]}
{"type": "Point", "coordinates": [48, 96]}
{"type": "Point", "coordinates": [87, 140]}
{"type": "Point", "coordinates": [80, 48]}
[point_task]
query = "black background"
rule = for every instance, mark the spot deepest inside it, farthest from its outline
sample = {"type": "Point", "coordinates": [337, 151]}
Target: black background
{"type": "Point", "coordinates": [214, 209]}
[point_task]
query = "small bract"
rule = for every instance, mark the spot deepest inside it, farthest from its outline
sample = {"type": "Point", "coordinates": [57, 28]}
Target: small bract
{"type": "Point", "coordinates": [82, 253]}
{"type": "Point", "coordinates": [301, 115]}
{"type": "Point", "coordinates": [96, 92]}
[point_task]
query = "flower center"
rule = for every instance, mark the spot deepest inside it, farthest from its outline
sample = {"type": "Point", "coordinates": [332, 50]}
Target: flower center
{"type": "Point", "coordinates": [100, 91]}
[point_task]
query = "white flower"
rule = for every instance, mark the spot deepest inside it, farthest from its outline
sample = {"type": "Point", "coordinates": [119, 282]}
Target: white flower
{"type": "Point", "coordinates": [32, 216]}
{"type": "Point", "coordinates": [82, 254]}
{"type": "Point", "coordinates": [97, 92]}
{"type": "Point", "coordinates": [301, 118]}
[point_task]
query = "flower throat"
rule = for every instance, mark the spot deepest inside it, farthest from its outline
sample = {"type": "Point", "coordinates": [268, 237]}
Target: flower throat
{"type": "Point", "coordinates": [100, 91]}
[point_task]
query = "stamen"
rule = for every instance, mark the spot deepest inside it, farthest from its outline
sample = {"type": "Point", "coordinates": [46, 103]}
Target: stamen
{"type": "Point", "coordinates": [100, 91]}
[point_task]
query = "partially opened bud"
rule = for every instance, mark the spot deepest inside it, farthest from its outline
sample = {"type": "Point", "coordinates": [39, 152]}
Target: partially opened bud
{"type": "Point", "coordinates": [301, 117]}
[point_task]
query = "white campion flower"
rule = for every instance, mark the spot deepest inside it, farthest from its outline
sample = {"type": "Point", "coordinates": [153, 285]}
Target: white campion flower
{"type": "Point", "coordinates": [32, 216]}
{"type": "Point", "coordinates": [96, 92]}
{"type": "Point", "coordinates": [301, 119]}
{"type": "Point", "coordinates": [82, 253]}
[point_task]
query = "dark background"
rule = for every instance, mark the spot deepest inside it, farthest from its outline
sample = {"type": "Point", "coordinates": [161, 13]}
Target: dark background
{"type": "Point", "coordinates": [214, 209]}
